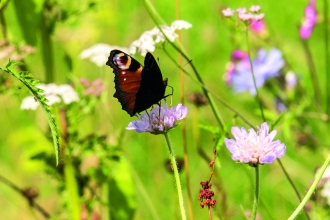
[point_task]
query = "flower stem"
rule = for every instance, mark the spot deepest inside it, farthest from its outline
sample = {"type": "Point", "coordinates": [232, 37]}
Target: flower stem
{"type": "Point", "coordinates": [256, 194]}
{"type": "Point", "coordinates": [292, 184]}
{"type": "Point", "coordinates": [176, 177]}
{"type": "Point", "coordinates": [312, 70]}
{"type": "Point", "coordinates": [311, 190]}
{"type": "Point", "coordinates": [327, 55]}
{"type": "Point", "coordinates": [253, 76]}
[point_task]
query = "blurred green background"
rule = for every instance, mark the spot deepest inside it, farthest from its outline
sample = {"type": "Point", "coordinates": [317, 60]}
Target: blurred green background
{"type": "Point", "coordinates": [63, 30]}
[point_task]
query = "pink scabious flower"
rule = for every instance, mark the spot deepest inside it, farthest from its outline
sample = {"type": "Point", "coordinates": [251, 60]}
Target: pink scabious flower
{"type": "Point", "coordinates": [254, 147]}
{"type": "Point", "coordinates": [309, 20]}
{"type": "Point", "coordinates": [159, 120]}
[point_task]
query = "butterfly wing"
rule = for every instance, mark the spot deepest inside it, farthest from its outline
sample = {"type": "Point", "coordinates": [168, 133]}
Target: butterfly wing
{"type": "Point", "coordinates": [127, 79]}
{"type": "Point", "coordinates": [152, 87]}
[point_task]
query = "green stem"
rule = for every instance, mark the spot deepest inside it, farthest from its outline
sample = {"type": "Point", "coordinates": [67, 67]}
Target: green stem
{"type": "Point", "coordinates": [311, 190]}
{"type": "Point", "coordinates": [253, 76]}
{"type": "Point", "coordinates": [292, 184]}
{"type": "Point", "coordinates": [176, 177]}
{"type": "Point", "coordinates": [256, 193]}
{"type": "Point", "coordinates": [327, 55]}
{"type": "Point", "coordinates": [177, 45]}
{"type": "Point", "coordinates": [311, 66]}
{"type": "Point", "coordinates": [72, 188]}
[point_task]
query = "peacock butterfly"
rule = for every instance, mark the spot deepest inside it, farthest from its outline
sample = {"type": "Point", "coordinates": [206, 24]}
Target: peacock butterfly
{"type": "Point", "coordinates": [137, 87]}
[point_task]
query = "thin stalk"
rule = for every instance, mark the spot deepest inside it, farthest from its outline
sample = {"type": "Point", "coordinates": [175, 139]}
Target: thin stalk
{"type": "Point", "coordinates": [31, 201]}
{"type": "Point", "coordinates": [327, 54]}
{"type": "Point", "coordinates": [253, 76]}
{"type": "Point", "coordinates": [292, 184]}
{"type": "Point", "coordinates": [158, 20]}
{"type": "Point", "coordinates": [256, 193]}
{"type": "Point", "coordinates": [176, 178]}
{"type": "Point", "coordinates": [311, 189]}
{"type": "Point", "coordinates": [312, 70]}
{"type": "Point", "coordinates": [184, 127]}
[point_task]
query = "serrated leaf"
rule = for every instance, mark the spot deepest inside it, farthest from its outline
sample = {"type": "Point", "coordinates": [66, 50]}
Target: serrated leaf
{"type": "Point", "coordinates": [37, 93]}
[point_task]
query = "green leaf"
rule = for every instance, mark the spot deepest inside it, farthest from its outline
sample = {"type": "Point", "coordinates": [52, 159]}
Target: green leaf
{"type": "Point", "coordinates": [37, 93]}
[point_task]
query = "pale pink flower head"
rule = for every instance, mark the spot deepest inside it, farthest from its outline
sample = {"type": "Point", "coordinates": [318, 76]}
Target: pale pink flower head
{"type": "Point", "coordinates": [309, 20]}
{"type": "Point", "coordinates": [254, 147]}
{"type": "Point", "coordinates": [255, 8]}
{"type": "Point", "coordinates": [228, 12]}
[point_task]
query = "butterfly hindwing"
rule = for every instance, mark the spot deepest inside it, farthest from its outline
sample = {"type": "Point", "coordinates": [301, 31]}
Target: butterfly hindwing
{"type": "Point", "coordinates": [152, 88]}
{"type": "Point", "coordinates": [137, 87]}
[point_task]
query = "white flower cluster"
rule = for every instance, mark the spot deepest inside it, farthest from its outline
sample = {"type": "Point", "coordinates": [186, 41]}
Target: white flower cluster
{"type": "Point", "coordinates": [99, 53]}
{"type": "Point", "coordinates": [54, 94]}
{"type": "Point", "coordinates": [148, 39]}
{"type": "Point", "coordinates": [243, 15]}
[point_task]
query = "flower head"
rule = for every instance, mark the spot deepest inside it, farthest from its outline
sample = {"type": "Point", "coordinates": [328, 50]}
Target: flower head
{"type": "Point", "coordinates": [99, 53]}
{"type": "Point", "coordinates": [148, 39]}
{"type": "Point", "coordinates": [159, 120]}
{"type": "Point", "coordinates": [254, 147]}
{"type": "Point", "coordinates": [258, 27]}
{"type": "Point", "coordinates": [266, 65]}
{"type": "Point", "coordinates": [54, 94]}
{"type": "Point", "coordinates": [243, 15]}
{"type": "Point", "coordinates": [92, 88]}
{"type": "Point", "coordinates": [309, 20]}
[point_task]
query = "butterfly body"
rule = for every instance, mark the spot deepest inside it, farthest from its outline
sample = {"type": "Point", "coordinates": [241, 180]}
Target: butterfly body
{"type": "Point", "coordinates": [137, 87]}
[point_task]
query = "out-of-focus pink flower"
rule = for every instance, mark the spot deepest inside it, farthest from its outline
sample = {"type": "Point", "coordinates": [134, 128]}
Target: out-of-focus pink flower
{"type": "Point", "coordinates": [228, 12]}
{"type": "Point", "coordinates": [92, 88]}
{"type": "Point", "coordinates": [258, 27]}
{"type": "Point", "coordinates": [255, 8]}
{"type": "Point", "coordinates": [309, 20]}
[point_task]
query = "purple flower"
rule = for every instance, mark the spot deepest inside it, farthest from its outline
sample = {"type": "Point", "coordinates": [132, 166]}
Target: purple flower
{"type": "Point", "coordinates": [159, 120]}
{"type": "Point", "coordinates": [254, 147]}
{"type": "Point", "coordinates": [266, 65]}
{"type": "Point", "coordinates": [309, 20]}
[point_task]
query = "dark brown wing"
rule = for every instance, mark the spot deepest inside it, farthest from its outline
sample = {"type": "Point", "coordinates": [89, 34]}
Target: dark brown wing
{"type": "Point", "coordinates": [127, 79]}
{"type": "Point", "coordinates": [152, 87]}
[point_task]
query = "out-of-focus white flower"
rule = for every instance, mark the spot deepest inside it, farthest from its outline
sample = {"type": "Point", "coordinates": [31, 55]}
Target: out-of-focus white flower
{"type": "Point", "coordinates": [54, 94]}
{"type": "Point", "coordinates": [180, 24]}
{"type": "Point", "coordinates": [29, 103]}
{"type": "Point", "coordinates": [67, 93]}
{"type": "Point", "coordinates": [290, 80]}
{"type": "Point", "coordinates": [148, 39]}
{"type": "Point", "coordinates": [99, 53]}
